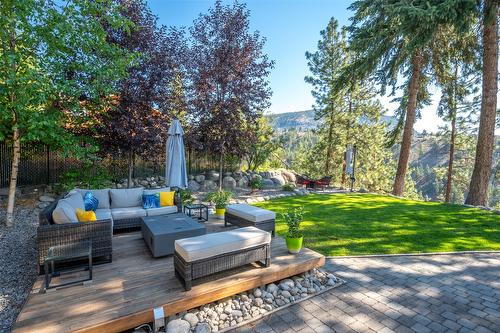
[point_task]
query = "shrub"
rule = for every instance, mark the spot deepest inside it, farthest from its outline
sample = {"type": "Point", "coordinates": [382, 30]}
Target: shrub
{"type": "Point", "coordinates": [186, 196]}
{"type": "Point", "coordinates": [219, 198]}
{"type": "Point", "coordinates": [293, 220]}
{"type": "Point", "coordinates": [256, 184]}
{"type": "Point", "coordinates": [289, 187]}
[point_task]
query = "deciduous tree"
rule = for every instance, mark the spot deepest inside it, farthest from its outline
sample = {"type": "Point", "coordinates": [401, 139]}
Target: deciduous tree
{"type": "Point", "coordinates": [228, 72]}
{"type": "Point", "coordinates": [149, 97]}
{"type": "Point", "coordinates": [54, 56]}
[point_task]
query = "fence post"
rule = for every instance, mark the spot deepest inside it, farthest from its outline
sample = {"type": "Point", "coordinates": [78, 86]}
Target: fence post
{"type": "Point", "coordinates": [48, 164]}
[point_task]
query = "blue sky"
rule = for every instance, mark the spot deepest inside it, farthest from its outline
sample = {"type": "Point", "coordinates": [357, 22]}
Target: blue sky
{"type": "Point", "coordinates": [291, 28]}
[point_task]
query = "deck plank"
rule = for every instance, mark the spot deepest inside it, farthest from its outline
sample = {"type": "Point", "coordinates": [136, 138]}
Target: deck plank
{"type": "Point", "coordinates": [124, 292]}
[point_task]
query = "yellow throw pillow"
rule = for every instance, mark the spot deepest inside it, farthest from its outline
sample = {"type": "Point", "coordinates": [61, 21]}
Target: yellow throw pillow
{"type": "Point", "coordinates": [166, 199]}
{"type": "Point", "coordinates": [85, 216]}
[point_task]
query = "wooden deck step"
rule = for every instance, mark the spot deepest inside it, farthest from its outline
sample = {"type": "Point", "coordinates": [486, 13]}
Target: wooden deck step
{"type": "Point", "coordinates": [124, 292]}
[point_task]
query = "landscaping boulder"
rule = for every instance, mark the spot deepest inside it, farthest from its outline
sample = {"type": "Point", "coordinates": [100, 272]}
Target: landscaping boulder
{"type": "Point", "coordinates": [228, 183]}
{"type": "Point", "coordinates": [193, 186]}
{"type": "Point", "coordinates": [203, 328]}
{"type": "Point", "coordinates": [208, 185]}
{"type": "Point", "coordinates": [191, 177]}
{"type": "Point", "coordinates": [278, 180]}
{"type": "Point", "coordinates": [268, 183]}
{"type": "Point", "coordinates": [178, 326]}
{"type": "Point", "coordinates": [289, 176]}
{"type": "Point", "coordinates": [212, 175]}
{"type": "Point", "coordinates": [46, 198]}
{"type": "Point", "coordinates": [199, 178]}
{"type": "Point", "coordinates": [243, 182]}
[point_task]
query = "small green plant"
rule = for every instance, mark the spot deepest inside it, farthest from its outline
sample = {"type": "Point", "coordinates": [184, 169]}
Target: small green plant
{"type": "Point", "coordinates": [89, 175]}
{"type": "Point", "coordinates": [219, 198]}
{"type": "Point", "coordinates": [289, 187]}
{"type": "Point", "coordinates": [293, 220]}
{"type": "Point", "coordinates": [256, 184]}
{"type": "Point", "coordinates": [186, 196]}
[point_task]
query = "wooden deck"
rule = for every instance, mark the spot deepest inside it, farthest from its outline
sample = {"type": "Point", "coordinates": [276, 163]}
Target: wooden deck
{"type": "Point", "coordinates": [124, 292]}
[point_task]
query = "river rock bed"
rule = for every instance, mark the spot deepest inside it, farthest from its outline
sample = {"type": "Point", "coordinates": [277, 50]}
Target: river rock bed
{"type": "Point", "coordinates": [245, 307]}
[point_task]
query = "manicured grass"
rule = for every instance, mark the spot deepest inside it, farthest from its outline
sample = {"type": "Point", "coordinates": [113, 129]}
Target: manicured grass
{"type": "Point", "coordinates": [352, 224]}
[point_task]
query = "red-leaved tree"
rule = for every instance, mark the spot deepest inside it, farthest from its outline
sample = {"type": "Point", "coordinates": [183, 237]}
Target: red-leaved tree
{"type": "Point", "coordinates": [228, 72]}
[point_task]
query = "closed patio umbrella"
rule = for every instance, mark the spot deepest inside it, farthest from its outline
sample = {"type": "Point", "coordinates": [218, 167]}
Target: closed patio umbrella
{"type": "Point", "coordinates": [175, 170]}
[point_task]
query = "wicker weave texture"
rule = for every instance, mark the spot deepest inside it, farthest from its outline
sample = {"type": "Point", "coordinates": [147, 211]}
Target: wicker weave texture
{"type": "Point", "coordinates": [188, 271]}
{"type": "Point", "coordinates": [98, 232]}
{"type": "Point", "coordinates": [267, 225]}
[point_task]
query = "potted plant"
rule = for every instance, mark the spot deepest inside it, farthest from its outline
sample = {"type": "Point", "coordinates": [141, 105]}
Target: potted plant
{"type": "Point", "coordinates": [294, 236]}
{"type": "Point", "coordinates": [220, 199]}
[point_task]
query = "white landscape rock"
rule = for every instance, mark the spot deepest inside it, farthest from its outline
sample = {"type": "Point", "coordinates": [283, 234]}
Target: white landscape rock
{"type": "Point", "coordinates": [231, 311]}
{"type": "Point", "coordinates": [178, 326]}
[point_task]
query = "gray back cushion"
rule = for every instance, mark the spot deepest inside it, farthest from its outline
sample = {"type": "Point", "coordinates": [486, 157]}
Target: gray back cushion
{"type": "Point", "coordinates": [101, 195]}
{"type": "Point", "coordinates": [157, 190]}
{"type": "Point", "coordinates": [64, 213]}
{"type": "Point", "coordinates": [75, 199]}
{"type": "Point", "coordinates": [122, 198]}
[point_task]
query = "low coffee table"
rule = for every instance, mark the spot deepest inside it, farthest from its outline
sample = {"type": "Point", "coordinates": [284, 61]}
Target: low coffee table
{"type": "Point", "coordinates": [160, 232]}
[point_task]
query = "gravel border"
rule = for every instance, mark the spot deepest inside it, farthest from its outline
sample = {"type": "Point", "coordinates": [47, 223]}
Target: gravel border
{"type": "Point", "coordinates": [17, 263]}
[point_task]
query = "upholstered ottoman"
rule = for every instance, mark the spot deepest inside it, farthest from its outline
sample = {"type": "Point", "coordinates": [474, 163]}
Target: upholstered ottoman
{"type": "Point", "coordinates": [244, 215]}
{"type": "Point", "coordinates": [201, 256]}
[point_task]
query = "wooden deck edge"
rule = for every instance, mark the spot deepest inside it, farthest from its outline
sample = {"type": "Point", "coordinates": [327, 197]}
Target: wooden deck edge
{"type": "Point", "coordinates": [208, 296]}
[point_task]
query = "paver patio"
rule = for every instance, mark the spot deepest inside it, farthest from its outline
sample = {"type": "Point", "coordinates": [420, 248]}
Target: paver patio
{"type": "Point", "coordinates": [437, 293]}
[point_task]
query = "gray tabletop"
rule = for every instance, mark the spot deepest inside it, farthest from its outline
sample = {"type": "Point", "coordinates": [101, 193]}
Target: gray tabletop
{"type": "Point", "coordinates": [160, 232]}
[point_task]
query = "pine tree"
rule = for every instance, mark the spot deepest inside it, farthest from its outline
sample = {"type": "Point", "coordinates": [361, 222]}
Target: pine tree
{"type": "Point", "coordinates": [393, 37]}
{"type": "Point", "coordinates": [478, 191]}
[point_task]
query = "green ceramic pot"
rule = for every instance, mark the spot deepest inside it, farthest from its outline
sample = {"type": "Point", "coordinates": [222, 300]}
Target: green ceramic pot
{"type": "Point", "coordinates": [294, 245]}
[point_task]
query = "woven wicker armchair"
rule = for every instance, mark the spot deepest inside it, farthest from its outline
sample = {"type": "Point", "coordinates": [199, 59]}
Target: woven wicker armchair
{"type": "Point", "coordinates": [98, 232]}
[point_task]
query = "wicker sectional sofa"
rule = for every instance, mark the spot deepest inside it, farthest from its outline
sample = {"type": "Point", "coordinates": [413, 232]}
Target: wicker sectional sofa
{"type": "Point", "coordinates": [118, 210]}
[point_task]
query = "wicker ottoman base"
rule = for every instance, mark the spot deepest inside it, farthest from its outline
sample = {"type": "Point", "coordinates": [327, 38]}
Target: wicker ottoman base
{"type": "Point", "coordinates": [267, 225]}
{"type": "Point", "coordinates": [189, 271]}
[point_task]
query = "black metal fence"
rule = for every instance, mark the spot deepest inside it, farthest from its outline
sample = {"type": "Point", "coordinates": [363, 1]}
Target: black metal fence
{"type": "Point", "coordinates": [41, 165]}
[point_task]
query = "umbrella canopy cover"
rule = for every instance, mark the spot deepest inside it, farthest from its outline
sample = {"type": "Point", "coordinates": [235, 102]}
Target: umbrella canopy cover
{"type": "Point", "coordinates": [175, 170]}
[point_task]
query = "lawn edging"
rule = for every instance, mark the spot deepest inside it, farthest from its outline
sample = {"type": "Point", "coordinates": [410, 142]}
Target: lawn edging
{"type": "Point", "coordinates": [412, 254]}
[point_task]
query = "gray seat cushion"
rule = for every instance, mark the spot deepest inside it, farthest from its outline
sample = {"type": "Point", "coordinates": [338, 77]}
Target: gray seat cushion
{"type": "Point", "coordinates": [250, 213]}
{"type": "Point", "coordinates": [161, 210]}
{"type": "Point", "coordinates": [101, 195]}
{"type": "Point", "coordinates": [127, 213]}
{"type": "Point", "coordinates": [103, 214]}
{"type": "Point", "coordinates": [124, 198]}
{"type": "Point", "coordinates": [157, 190]}
{"type": "Point", "coordinates": [210, 245]}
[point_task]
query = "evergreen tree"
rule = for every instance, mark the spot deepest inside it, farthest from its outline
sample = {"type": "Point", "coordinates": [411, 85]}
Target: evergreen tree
{"type": "Point", "coordinates": [456, 70]}
{"type": "Point", "coordinates": [392, 37]}
{"type": "Point", "coordinates": [478, 191]}
{"type": "Point", "coordinates": [349, 115]}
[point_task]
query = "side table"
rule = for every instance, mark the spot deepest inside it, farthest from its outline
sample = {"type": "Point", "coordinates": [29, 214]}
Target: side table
{"type": "Point", "coordinates": [197, 210]}
{"type": "Point", "coordinates": [61, 253]}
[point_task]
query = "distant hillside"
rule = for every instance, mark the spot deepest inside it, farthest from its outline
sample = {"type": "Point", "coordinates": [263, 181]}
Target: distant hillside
{"type": "Point", "coordinates": [304, 120]}
{"type": "Point", "coordinates": [300, 120]}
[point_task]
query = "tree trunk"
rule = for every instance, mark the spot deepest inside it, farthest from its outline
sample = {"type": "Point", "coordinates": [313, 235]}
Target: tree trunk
{"type": "Point", "coordinates": [221, 163]}
{"type": "Point", "coordinates": [478, 189]}
{"type": "Point", "coordinates": [16, 153]}
{"type": "Point", "coordinates": [344, 168]}
{"type": "Point", "coordinates": [449, 177]}
{"type": "Point", "coordinates": [329, 150]}
{"type": "Point", "coordinates": [404, 153]}
{"type": "Point", "coordinates": [16, 143]}
{"type": "Point", "coordinates": [130, 167]}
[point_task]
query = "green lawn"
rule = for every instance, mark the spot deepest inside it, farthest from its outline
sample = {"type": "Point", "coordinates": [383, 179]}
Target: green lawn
{"type": "Point", "coordinates": [352, 224]}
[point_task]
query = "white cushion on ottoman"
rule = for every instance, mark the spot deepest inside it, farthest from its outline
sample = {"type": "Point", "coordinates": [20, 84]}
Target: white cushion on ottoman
{"type": "Point", "coordinates": [250, 213]}
{"type": "Point", "coordinates": [210, 245]}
